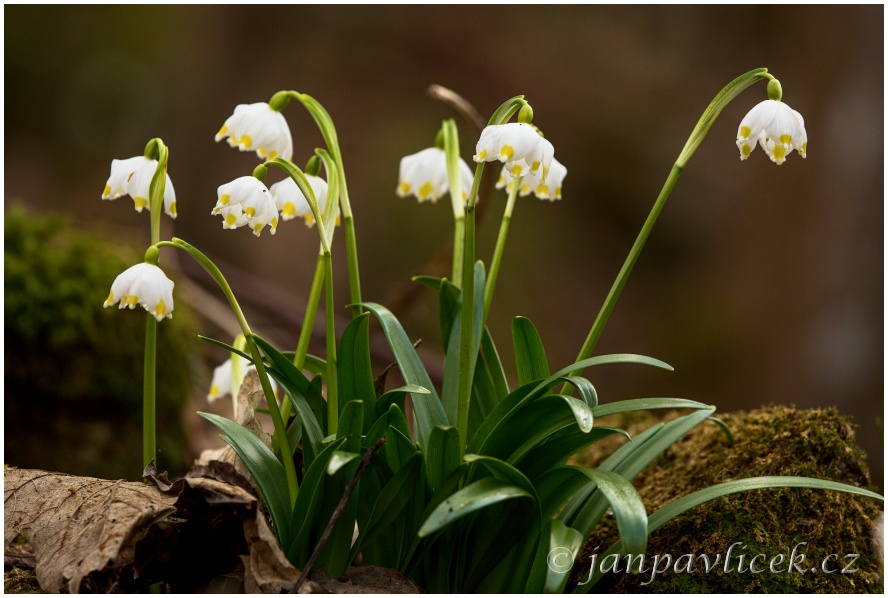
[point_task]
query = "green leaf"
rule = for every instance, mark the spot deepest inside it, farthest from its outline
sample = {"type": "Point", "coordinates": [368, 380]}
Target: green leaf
{"type": "Point", "coordinates": [228, 347]}
{"type": "Point", "coordinates": [264, 467]}
{"type": "Point", "coordinates": [351, 425]}
{"type": "Point", "coordinates": [427, 409]}
{"type": "Point", "coordinates": [448, 298]}
{"type": "Point", "coordinates": [530, 355]}
{"type": "Point", "coordinates": [304, 523]}
{"type": "Point", "coordinates": [442, 457]}
{"type": "Point", "coordinates": [450, 389]}
{"type": "Point", "coordinates": [355, 370]}
{"type": "Point", "coordinates": [562, 444]}
{"type": "Point", "coordinates": [392, 500]}
{"type": "Point", "coordinates": [635, 460]}
{"type": "Point", "coordinates": [502, 471]}
{"type": "Point", "coordinates": [527, 392]}
{"type": "Point", "coordinates": [433, 282]}
{"type": "Point", "coordinates": [339, 460]}
{"type": "Point", "coordinates": [397, 397]}
{"type": "Point", "coordinates": [491, 360]}
{"type": "Point", "coordinates": [627, 506]}
{"type": "Point", "coordinates": [476, 496]}
{"type": "Point", "coordinates": [641, 404]}
{"type": "Point", "coordinates": [564, 544]}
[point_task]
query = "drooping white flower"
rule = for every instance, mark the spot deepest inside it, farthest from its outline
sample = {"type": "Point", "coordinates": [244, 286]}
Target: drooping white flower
{"type": "Point", "coordinates": [220, 386]}
{"type": "Point", "coordinates": [256, 127]}
{"type": "Point", "coordinates": [424, 174]}
{"type": "Point", "coordinates": [531, 183]}
{"type": "Point", "coordinates": [246, 201]}
{"type": "Point", "coordinates": [518, 146]}
{"type": "Point", "coordinates": [133, 177]}
{"type": "Point", "coordinates": [146, 285]}
{"type": "Point", "coordinates": [292, 203]}
{"type": "Point", "coordinates": [779, 129]}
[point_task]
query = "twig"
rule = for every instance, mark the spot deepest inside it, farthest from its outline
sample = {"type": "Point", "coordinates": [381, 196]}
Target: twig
{"type": "Point", "coordinates": [458, 103]}
{"type": "Point", "coordinates": [365, 461]}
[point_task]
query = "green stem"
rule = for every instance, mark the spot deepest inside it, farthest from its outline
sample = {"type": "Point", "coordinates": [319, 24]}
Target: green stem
{"type": "Point", "coordinates": [156, 150]}
{"type": "Point", "coordinates": [459, 233]}
{"type": "Point", "coordinates": [280, 431]}
{"type": "Point", "coordinates": [149, 443]}
{"type": "Point", "coordinates": [489, 287]}
{"type": "Point", "coordinates": [468, 308]}
{"type": "Point", "coordinates": [305, 334]}
{"type": "Point", "coordinates": [728, 93]}
{"type": "Point", "coordinates": [328, 131]}
{"type": "Point", "coordinates": [623, 276]}
{"type": "Point", "coordinates": [332, 374]}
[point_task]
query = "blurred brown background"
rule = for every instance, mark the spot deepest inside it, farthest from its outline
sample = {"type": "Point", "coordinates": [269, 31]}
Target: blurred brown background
{"type": "Point", "coordinates": [759, 284]}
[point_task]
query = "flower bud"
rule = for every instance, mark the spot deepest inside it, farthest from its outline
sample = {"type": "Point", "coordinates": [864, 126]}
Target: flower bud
{"type": "Point", "coordinates": [260, 172]}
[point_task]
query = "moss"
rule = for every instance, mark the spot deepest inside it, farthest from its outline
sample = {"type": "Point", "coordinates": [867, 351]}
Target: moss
{"type": "Point", "coordinates": [73, 370]}
{"type": "Point", "coordinates": [770, 441]}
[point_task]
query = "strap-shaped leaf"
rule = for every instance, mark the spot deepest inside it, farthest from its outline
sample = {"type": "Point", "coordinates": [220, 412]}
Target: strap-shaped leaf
{"type": "Point", "coordinates": [355, 370]}
{"type": "Point", "coordinates": [351, 422]}
{"type": "Point", "coordinates": [641, 404]}
{"type": "Point", "coordinates": [560, 446]}
{"type": "Point", "coordinates": [530, 355]}
{"type": "Point", "coordinates": [531, 391]}
{"type": "Point", "coordinates": [494, 366]}
{"type": "Point", "coordinates": [308, 504]}
{"type": "Point", "coordinates": [264, 467]}
{"type": "Point", "coordinates": [636, 460]}
{"type": "Point", "coordinates": [390, 502]}
{"type": "Point", "coordinates": [442, 457]}
{"type": "Point", "coordinates": [448, 301]}
{"type": "Point", "coordinates": [564, 544]}
{"type": "Point", "coordinates": [397, 397]}
{"type": "Point", "coordinates": [629, 510]}
{"type": "Point", "coordinates": [428, 412]}
{"type": "Point", "coordinates": [450, 388]}
{"type": "Point", "coordinates": [476, 496]}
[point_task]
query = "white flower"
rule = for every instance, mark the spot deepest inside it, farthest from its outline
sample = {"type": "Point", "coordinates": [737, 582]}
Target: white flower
{"type": "Point", "coordinates": [424, 174]}
{"type": "Point", "coordinates": [133, 177]}
{"type": "Point", "coordinates": [531, 183]}
{"type": "Point", "coordinates": [779, 129]}
{"type": "Point", "coordinates": [519, 146]}
{"type": "Point", "coordinates": [292, 204]}
{"type": "Point", "coordinates": [258, 127]}
{"type": "Point", "coordinates": [146, 285]}
{"type": "Point", "coordinates": [246, 201]}
{"type": "Point", "coordinates": [220, 386]}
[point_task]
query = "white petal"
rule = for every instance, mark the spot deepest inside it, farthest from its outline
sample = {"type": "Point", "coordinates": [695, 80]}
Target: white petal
{"type": "Point", "coordinates": [121, 170]}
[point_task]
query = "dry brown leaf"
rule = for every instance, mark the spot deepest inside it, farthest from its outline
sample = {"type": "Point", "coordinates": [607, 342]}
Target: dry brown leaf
{"type": "Point", "coordinates": [266, 568]}
{"type": "Point", "coordinates": [78, 525]}
{"type": "Point", "coordinates": [362, 580]}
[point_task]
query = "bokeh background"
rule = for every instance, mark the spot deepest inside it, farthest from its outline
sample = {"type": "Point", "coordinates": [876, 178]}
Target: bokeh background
{"type": "Point", "coordinates": [760, 284]}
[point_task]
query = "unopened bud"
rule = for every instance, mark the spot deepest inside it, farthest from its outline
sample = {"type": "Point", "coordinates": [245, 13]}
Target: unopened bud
{"type": "Point", "coordinates": [525, 114]}
{"type": "Point", "coordinates": [152, 255]}
{"type": "Point", "coordinates": [260, 171]}
{"type": "Point", "coordinates": [313, 166]}
{"type": "Point", "coordinates": [775, 91]}
{"type": "Point", "coordinates": [279, 101]}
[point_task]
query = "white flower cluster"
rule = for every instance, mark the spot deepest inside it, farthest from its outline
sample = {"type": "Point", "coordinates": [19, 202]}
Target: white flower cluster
{"type": "Point", "coordinates": [146, 285]}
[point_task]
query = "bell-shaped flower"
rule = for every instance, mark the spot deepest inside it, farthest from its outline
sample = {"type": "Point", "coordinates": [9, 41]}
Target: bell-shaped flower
{"type": "Point", "coordinates": [256, 127]}
{"type": "Point", "coordinates": [531, 183]}
{"type": "Point", "coordinates": [146, 285]}
{"type": "Point", "coordinates": [246, 201]}
{"type": "Point", "coordinates": [292, 203]}
{"type": "Point", "coordinates": [133, 177]}
{"type": "Point", "coordinates": [779, 129]}
{"type": "Point", "coordinates": [518, 146]}
{"type": "Point", "coordinates": [424, 174]}
{"type": "Point", "coordinates": [220, 386]}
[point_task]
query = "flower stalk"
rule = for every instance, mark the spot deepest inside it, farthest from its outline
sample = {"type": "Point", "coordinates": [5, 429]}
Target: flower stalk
{"type": "Point", "coordinates": [322, 118]}
{"type": "Point", "coordinates": [280, 431]}
{"type": "Point", "coordinates": [722, 99]}
{"type": "Point", "coordinates": [450, 137]}
{"type": "Point", "coordinates": [497, 259]}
